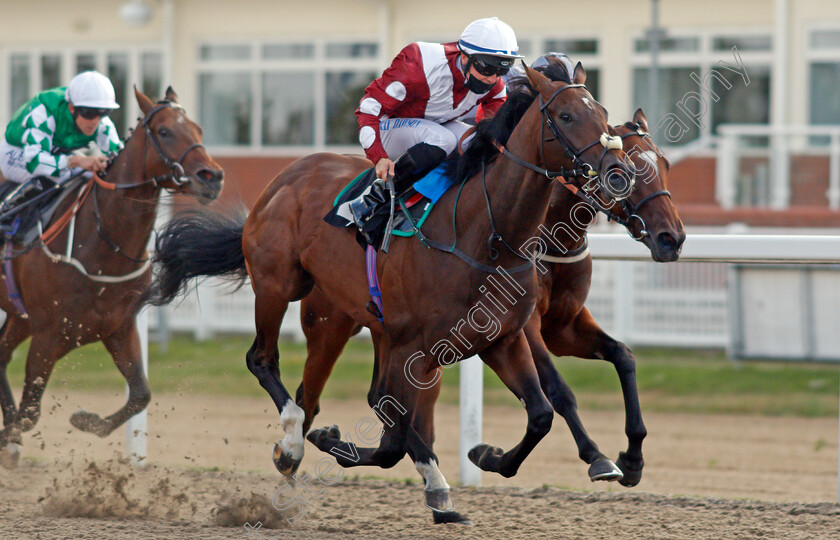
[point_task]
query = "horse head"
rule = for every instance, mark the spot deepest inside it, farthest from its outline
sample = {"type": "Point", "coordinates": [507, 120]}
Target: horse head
{"type": "Point", "coordinates": [179, 162]}
{"type": "Point", "coordinates": [647, 212]}
{"type": "Point", "coordinates": [575, 130]}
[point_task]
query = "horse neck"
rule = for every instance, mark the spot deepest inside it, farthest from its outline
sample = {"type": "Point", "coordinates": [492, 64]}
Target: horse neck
{"type": "Point", "coordinates": [128, 215]}
{"type": "Point", "coordinates": [519, 197]}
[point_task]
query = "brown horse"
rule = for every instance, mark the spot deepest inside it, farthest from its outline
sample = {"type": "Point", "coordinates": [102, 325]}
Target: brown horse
{"type": "Point", "coordinates": [560, 324]}
{"type": "Point", "coordinates": [93, 294]}
{"type": "Point", "coordinates": [548, 129]}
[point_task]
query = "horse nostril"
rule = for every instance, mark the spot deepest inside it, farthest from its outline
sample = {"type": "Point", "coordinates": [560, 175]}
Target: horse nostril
{"type": "Point", "coordinates": [667, 241]}
{"type": "Point", "coordinates": [619, 182]}
{"type": "Point", "coordinates": [209, 175]}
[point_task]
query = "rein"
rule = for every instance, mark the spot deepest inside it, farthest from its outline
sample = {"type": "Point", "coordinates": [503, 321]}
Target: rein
{"type": "Point", "coordinates": [440, 246]}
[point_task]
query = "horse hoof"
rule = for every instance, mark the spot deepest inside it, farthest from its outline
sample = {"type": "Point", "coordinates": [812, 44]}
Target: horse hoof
{"type": "Point", "coordinates": [439, 500]}
{"type": "Point", "coordinates": [604, 469]}
{"type": "Point", "coordinates": [10, 456]}
{"type": "Point", "coordinates": [632, 470]}
{"type": "Point", "coordinates": [320, 436]}
{"type": "Point", "coordinates": [450, 517]}
{"type": "Point", "coordinates": [89, 423]}
{"type": "Point", "coordinates": [287, 465]}
{"type": "Point", "coordinates": [485, 457]}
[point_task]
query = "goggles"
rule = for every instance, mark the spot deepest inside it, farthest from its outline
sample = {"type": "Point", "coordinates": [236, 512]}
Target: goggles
{"type": "Point", "coordinates": [89, 113]}
{"type": "Point", "coordinates": [487, 69]}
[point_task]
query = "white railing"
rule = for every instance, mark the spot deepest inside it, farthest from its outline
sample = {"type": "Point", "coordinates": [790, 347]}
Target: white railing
{"type": "Point", "coordinates": [770, 182]}
{"type": "Point", "coordinates": [684, 304]}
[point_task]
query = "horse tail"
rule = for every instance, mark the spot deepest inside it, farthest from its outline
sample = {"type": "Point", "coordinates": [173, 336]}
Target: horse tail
{"type": "Point", "coordinates": [196, 244]}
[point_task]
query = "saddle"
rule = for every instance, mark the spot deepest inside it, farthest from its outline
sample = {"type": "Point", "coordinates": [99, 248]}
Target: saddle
{"type": "Point", "coordinates": [19, 224]}
{"type": "Point", "coordinates": [410, 212]}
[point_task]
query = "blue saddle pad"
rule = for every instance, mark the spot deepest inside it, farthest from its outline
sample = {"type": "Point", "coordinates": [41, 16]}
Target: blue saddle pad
{"type": "Point", "coordinates": [434, 184]}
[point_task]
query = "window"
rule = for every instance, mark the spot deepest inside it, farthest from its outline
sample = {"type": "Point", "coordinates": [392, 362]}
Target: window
{"type": "Point", "coordinates": [825, 39]}
{"type": "Point", "coordinates": [284, 95]}
{"type": "Point", "coordinates": [288, 108]}
{"type": "Point", "coordinates": [33, 71]}
{"type": "Point", "coordinates": [825, 93]}
{"type": "Point", "coordinates": [225, 105]}
{"type": "Point", "coordinates": [824, 76]}
{"type": "Point", "coordinates": [666, 44]}
{"type": "Point", "coordinates": [674, 84]}
{"type": "Point", "coordinates": [572, 46]}
{"type": "Point", "coordinates": [743, 43]}
{"type": "Point", "coordinates": [20, 83]}
{"type": "Point", "coordinates": [704, 81]}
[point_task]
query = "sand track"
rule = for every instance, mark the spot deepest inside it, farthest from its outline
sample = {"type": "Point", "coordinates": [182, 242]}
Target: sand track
{"type": "Point", "coordinates": [705, 477]}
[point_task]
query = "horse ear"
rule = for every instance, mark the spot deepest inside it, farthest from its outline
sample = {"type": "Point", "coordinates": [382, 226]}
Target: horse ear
{"type": "Point", "coordinates": [171, 95]}
{"type": "Point", "coordinates": [640, 118]}
{"type": "Point", "coordinates": [580, 74]}
{"type": "Point", "coordinates": [145, 103]}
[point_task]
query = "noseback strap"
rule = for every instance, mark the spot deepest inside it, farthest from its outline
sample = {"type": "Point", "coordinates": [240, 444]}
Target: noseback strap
{"type": "Point", "coordinates": [611, 143]}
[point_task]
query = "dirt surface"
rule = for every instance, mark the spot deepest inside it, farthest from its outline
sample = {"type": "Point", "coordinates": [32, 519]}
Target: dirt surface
{"type": "Point", "coordinates": [210, 473]}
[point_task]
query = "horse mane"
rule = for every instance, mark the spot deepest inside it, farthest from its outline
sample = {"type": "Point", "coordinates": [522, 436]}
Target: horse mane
{"type": "Point", "coordinates": [482, 149]}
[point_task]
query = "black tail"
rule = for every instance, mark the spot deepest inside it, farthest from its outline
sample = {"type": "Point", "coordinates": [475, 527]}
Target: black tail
{"type": "Point", "coordinates": [197, 244]}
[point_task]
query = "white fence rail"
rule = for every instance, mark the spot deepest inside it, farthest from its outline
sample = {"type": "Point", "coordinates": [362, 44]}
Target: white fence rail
{"type": "Point", "coordinates": [684, 304]}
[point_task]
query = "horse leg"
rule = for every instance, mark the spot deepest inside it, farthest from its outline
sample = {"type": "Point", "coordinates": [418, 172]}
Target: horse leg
{"type": "Point", "coordinates": [394, 401]}
{"type": "Point", "coordinates": [511, 359]}
{"type": "Point", "coordinates": [585, 339]}
{"type": "Point", "coordinates": [563, 400]}
{"type": "Point", "coordinates": [327, 330]}
{"type": "Point", "coordinates": [124, 346]}
{"type": "Point", "coordinates": [436, 489]}
{"type": "Point", "coordinates": [15, 330]}
{"type": "Point", "coordinates": [262, 360]}
{"type": "Point", "coordinates": [44, 352]}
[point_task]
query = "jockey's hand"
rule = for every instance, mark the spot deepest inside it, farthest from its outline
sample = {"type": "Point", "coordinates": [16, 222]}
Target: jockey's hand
{"type": "Point", "coordinates": [384, 167]}
{"type": "Point", "coordinates": [94, 164]}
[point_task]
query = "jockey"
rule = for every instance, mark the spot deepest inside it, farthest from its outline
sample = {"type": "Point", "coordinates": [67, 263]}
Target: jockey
{"type": "Point", "coordinates": [44, 133]}
{"type": "Point", "coordinates": [413, 116]}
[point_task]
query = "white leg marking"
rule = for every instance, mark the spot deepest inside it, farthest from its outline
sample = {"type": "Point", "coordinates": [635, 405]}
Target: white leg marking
{"type": "Point", "coordinates": [292, 421]}
{"type": "Point", "coordinates": [431, 472]}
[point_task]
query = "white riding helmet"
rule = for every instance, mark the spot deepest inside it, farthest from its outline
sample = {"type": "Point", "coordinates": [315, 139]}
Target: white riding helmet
{"type": "Point", "coordinates": [490, 38]}
{"type": "Point", "coordinates": [91, 89]}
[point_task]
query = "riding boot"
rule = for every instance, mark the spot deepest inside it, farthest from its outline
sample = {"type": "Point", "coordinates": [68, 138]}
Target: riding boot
{"type": "Point", "coordinates": [413, 165]}
{"type": "Point", "coordinates": [363, 206]}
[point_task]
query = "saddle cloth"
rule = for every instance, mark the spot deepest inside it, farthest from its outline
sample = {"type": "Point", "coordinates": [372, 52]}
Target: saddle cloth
{"type": "Point", "coordinates": [417, 202]}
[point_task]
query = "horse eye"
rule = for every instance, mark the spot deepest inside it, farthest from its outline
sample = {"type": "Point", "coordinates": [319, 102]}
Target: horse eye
{"type": "Point", "coordinates": [565, 117]}
{"type": "Point", "coordinates": [163, 132]}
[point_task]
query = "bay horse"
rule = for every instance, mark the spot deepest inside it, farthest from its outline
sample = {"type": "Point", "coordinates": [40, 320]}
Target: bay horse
{"type": "Point", "coordinates": [561, 324]}
{"type": "Point", "coordinates": [286, 248]}
{"type": "Point", "coordinates": [92, 291]}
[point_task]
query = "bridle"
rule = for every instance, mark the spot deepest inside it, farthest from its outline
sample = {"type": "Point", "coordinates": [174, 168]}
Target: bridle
{"type": "Point", "coordinates": [176, 174]}
{"type": "Point", "coordinates": [586, 171]}
{"type": "Point", "coordinates": [582, 169]}
{"type": "Point", "coordinates": [632, 210]}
